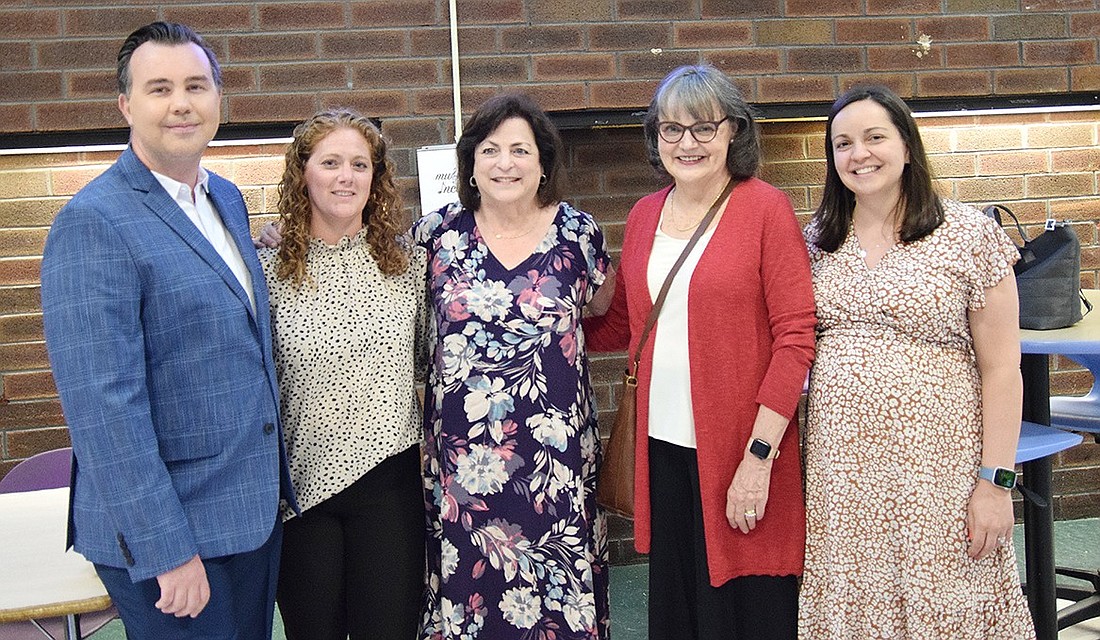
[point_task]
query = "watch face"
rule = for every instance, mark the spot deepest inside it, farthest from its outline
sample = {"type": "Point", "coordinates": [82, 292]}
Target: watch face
{"type": "Point", "coordinates": [760, 449]}
{"type": "Point", "coordinates": [1004, 478]}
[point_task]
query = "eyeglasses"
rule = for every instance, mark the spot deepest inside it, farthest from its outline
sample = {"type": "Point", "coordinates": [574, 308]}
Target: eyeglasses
{"type": "Point", "coordinates": [702, 131]}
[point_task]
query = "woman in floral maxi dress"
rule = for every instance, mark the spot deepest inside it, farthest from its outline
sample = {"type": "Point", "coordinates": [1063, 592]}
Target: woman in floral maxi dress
{"type": "Point", "coordinates": [516, 546]}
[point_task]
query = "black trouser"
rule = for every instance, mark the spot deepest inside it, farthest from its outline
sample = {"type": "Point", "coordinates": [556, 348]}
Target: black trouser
{"type": "Point", "coordinates": [354, 564]}
{"type": "Point", "coordinates": [682, 603]}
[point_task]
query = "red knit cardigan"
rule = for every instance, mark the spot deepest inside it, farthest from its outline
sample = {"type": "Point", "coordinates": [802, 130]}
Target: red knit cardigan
{"type": "Point", "coordinates": [750, 342]}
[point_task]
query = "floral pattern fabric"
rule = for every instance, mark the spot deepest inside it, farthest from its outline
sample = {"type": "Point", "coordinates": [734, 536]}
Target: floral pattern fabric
{"type": "Point", "coordinates": [517, 547]}
{"type": "Point", "coordinates": [894, 439]}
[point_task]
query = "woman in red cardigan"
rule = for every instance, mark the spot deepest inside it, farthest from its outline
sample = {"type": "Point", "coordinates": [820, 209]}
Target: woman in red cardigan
{"type": "Point", "coordinates": [717, 508]}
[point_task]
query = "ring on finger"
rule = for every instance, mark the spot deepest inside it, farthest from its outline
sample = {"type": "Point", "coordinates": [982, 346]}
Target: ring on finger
{"type": "Point", "coordinates": [751, 513]}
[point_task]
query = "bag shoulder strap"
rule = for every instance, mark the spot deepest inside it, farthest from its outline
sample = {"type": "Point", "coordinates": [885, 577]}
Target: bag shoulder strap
{"type": "Point", "coordinates": [632, 372]}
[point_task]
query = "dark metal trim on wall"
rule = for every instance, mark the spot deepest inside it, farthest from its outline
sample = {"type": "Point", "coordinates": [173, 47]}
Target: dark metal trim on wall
{"type": "Point", "coordinates": [575, 119]}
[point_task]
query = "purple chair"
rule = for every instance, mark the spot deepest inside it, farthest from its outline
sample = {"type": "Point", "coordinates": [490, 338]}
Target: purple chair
{"type": "Point", "coordinates": [49, 470]}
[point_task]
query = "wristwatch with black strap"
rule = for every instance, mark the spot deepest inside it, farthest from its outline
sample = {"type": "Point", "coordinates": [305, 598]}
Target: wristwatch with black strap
{"type": "Point", "coordinates": [763, 449]}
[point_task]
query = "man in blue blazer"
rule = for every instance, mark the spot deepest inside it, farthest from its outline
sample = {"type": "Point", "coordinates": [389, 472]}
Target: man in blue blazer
{"type": "Point", "coordinates": [158, 330]}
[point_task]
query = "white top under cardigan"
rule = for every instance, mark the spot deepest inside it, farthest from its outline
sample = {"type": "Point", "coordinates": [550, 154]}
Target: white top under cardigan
{"type": "Point", "coordinates": [670, 408]}
{"type": "Point", "coordinates": [346, 348]}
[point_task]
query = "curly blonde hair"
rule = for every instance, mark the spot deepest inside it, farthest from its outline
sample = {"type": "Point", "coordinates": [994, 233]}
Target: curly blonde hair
{"type": "Point", "coordinates": [381, 216]}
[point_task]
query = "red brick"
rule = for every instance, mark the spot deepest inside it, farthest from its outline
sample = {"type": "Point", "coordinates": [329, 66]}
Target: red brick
{"type": "Point", "coordinates": [417, 132]}
{"type": "Point", "coordinates": [301, 15]}
{"type": "Point", "coordinates": [295, 77]}
{"type": "Point", "coordinates": [239, 79]}
{"type": "Point", "coordinates": [1061, 134]}
{"type": "Point", "coordinates": [33, 23]}
{"type": "Point", "coordinates": [1084, 78]}
{"type": "Point", "coordinates": [1010, 81]}
{"type": "Point", "coordinates": [1067, 52]}
{"type": "Point", "coordinates": [92, 84]}
{"type": "Point", "coordinates": [818, 8]}
{"type": "Point", "coordinates": [655, 9]}
{"type": "Point", "coordinates": [737, 62]}
{"type": "Point", "coordinates": [1041, 6]}
{"type": "Point", "coordinates": [492, 12]}
{"type": "Point", "coordinates": [23, 356]}
{"type": "Point", "coordinates": [625, 37]}
{"type": "Point", "coordinates": [982, 55]}
{"type": "Point", "coordinates": [354, 44]}
{"type": "Point", "coordinates": [437, 42]}
{"type": "Point", "coordinates": [792, 88]}
{"type": "Point", "coordinates": [28, 386]}
{"type": "Point", "coordinates": [1029, 27]}
{"type": "Point", "coordinates": [558, 96]}
{"type": "Point", "coordinates": [873, 30]}
{"type": "Point", "coordinates": [79, 115]}
{"type": "Point", "coordinates": [903, 7]}
{"type": "Point", "coordinates": [260, 48]}
{"type": "Point", "coordinates": [541, 38]}
{"type": "Point", "coordinates": [954, 28]}
{"type": "Point", "coordinates": [741, 8]}
{"type": "Point", "coordinates": [21, 328]}
{"type": "Point", "coordinates": [1084, 25]}
{"type": "Point", "coordinates": [551, 11]}
{"type": "Point", "coordinates": [982, 6]}
{"type": "Point", "coordinates": [24, 443]}
{"type": "Point", "coordinates": [899, 83]}
{"type": "Point", "coordinates": [16, 55]}
{"type": "Point", "coordinates": [371, 103]}
{"type": "Point", "coordinates": [15, 117]}
{"type": "Point", "coordinates": [77, 54]}
{"type": "Point", "coordinates": [954, 83]}
{"type": "Point", "coordinates": [383, 13]}
{"type": "Point", "coordinates": [212, 18]}
{"type": "Point", "coordinates": [19, 270]}
{"type": "Point", "coordinates": [990, 189]}
{"type": "Point", "coordinates": [788, 31]}
{"type": "Point", "coordinates": [710, 34]}
{"type": "Point", "coordinates": [20, 300]}
{"type": "Point", "coordinates": [441, 101]}
{"type": "Point", "coordinates": [653, 65]}
{"type": "Point", "coordinates": [903, 58]}
{"type": "Point", "coordinates": [579, 66]}
{"type": "Point", "coordinates": [621, 94]}
{"type": "Point", "coordinates": [21, 243]}
{"type": "Point", "coordinates": [804, 172]}
{"type": "Point", "coordinates": [289, 107]}
{"type": "Point", "coordinates": [823, 59]}
{"type": "Point", "coordinates": [376, 74]}
{"type": "Point", "coordinates": [502, 70]}
{"type": "Point", "coordinates": [25, 86]}
{"type": "Point", "coordinates": [1065, 184]}
{"type": "Point", "coordinates": [115, 22]}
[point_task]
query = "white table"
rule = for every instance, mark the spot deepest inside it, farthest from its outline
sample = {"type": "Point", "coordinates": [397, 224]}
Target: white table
{"type": "Point", "coordinates": [38, 577]}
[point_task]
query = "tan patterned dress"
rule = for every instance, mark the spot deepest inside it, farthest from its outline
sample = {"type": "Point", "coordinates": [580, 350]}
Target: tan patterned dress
{"type": "Point", "coordinates": [893, 443]}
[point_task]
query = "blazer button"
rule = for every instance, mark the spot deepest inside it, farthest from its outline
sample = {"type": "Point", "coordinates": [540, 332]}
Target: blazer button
{"type": "Point", "coordinates": [269, 428]}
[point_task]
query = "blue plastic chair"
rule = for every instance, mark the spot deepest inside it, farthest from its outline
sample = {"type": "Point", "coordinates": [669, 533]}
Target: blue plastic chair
{"type": "Point", "coordinates": [48, 470]}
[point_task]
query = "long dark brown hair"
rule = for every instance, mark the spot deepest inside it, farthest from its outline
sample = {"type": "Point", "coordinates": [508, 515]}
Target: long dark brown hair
{"type": "Point", "coordinates": [382, 214]}
{"type": "Point", "coordinates": [923, 210]}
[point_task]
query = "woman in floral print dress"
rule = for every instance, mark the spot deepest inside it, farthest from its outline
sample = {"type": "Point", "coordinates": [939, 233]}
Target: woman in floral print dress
{"type": "Point", "coordinates": [516, 546]}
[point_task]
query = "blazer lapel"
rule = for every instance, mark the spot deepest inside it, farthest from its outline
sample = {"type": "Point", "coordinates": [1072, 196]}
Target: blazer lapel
{"type": "Point", "coordinates": [165, 207]}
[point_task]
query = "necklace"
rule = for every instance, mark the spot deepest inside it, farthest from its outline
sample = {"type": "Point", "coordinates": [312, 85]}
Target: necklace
{"type": "Point", "coordinates": [672, 213]}
{"type": "Point", "coordinates": [501, 236]}
{"type": "Point", "coordinates": [878, 245]}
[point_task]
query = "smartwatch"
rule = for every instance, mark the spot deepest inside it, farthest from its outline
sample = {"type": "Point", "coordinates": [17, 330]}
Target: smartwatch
{"type": "Point", "coordinates": [999, 476]}
{"type": "Point", "coordinates": [761, 449]}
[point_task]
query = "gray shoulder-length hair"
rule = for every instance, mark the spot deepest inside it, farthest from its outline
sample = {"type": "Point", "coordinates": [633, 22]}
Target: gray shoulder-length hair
{"type": "Point", "coordinates": [697, 89]}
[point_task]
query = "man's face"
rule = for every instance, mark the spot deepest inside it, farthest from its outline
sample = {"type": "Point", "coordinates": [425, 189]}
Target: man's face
{"type": "Point", "coordinates": [173, 108]}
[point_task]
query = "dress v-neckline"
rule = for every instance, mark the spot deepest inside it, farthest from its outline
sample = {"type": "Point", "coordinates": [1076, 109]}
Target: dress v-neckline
{"type": "Point", "coordinates": [489, 251]}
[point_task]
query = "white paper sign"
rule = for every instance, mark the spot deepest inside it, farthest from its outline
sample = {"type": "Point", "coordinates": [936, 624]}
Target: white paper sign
{"type": "Point", "coordinates": [437, 172]}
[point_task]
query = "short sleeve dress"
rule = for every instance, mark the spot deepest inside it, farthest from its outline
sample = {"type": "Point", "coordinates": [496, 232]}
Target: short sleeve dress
{"type": "Point", "coordinates": [517, 548]}
{"type": "Point", "coordinates": [893, 443]}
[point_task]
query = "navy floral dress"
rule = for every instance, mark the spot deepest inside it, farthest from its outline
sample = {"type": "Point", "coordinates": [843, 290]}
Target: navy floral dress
{"type": "Point", "coordinates": [516, 548]}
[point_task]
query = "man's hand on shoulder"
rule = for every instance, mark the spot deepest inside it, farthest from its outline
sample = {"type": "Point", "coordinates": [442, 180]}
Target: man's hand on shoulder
{"type": "Point", "coordinates": [184, 591]}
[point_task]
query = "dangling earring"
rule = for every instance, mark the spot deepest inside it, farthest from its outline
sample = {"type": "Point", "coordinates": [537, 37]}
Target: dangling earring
{"type": "Point", "coordinates": [542, 179]}
{"type": "Point", "coordinates": [473, 183]}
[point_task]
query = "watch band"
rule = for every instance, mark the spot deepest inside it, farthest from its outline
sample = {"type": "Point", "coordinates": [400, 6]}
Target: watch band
{"type": "Point", "coordinates": [763, 449]}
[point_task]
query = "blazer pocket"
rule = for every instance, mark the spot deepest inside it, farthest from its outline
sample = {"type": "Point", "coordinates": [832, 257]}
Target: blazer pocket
{"type": "Point", "coordinates": [186, 447]}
